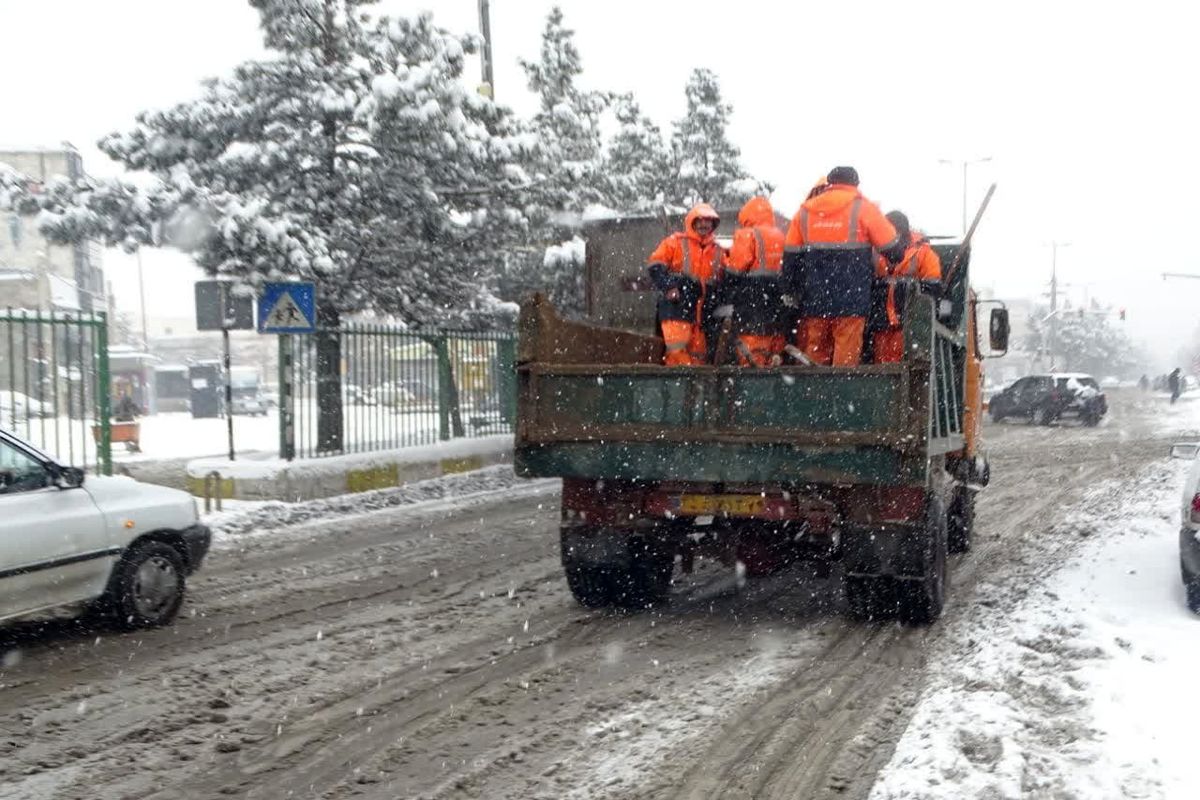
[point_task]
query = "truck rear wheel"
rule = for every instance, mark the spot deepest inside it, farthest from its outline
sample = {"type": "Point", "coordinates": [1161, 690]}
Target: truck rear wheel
{"type": "Point", "coordinates": [961, 521]}
{"type": "Point", "coordinates": [921, 599]}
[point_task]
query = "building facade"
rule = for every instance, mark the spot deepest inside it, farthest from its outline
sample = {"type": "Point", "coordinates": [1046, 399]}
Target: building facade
{"type": "Point", "coordinates": [33, 272]}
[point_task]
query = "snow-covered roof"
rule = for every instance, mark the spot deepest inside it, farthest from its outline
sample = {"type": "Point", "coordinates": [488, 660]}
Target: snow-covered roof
{"type": "Point", "coordinates": [61, 147]}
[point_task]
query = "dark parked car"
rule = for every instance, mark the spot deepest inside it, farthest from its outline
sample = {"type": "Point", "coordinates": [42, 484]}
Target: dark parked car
{"type": "Point", "coordinates": [1042, 399]}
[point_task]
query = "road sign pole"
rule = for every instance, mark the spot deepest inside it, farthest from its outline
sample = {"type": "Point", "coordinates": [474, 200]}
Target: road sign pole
{"type": "Point", "coordinates": [228, 391]}
{"type": "Point", "coordinates": [287, 423]}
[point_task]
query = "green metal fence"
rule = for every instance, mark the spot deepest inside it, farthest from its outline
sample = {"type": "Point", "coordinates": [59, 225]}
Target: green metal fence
{"type": "Point", "coordinates": [54, 384]}
{"type": "Point", "coordinates": [397, 388]}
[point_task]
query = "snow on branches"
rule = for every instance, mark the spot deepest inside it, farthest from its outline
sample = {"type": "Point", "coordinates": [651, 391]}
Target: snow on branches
{"type": "Point", "coordinates": [707, 165]}
{"type": "Point", "coordinates": [353, 155]}
{"type": "Point", "coordinates": [16, 191]}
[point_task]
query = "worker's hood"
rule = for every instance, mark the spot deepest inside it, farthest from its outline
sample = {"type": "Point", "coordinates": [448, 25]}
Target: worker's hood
{"type": "Point", "coordinates": [757, 211]}
{"type": "Point", "coordinates": [701, 211]}
{"type": "Point", "coordinates": [833, 200]}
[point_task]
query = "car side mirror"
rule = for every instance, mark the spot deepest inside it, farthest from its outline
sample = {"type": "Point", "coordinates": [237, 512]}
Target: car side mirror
{"type": "Point", "coordinates": [998, 330]}
{"type": "Point", "coordinates": [1185, 450]}
{"type": "Point", "coordinates": [69, 478]}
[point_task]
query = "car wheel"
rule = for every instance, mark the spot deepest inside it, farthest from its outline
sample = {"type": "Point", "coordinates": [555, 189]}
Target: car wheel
{"type": "Point", "coordinates": [996, 413]}
{"type": "Point", "coordinates": [1191, 586]}
{"type": "Point", "coordinates": [1041, 416]}
{"type": "Point", "coordinates": [147, 586]}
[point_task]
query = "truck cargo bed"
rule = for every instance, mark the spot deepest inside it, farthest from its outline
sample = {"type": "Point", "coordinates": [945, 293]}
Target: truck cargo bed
{"type": "Point", "coordinates": [868, 424]}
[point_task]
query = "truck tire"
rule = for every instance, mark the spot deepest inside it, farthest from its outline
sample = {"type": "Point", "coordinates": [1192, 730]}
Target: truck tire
{"type": "Point", "coordinates": [147, 586]}
{"type": "Point", "coordinates": [591, 586]}
{"type": "Point", "coordinates": [961, 521]}
{"type": "Point", "coordinates": [870, 597]}
{"type": "Point", "coordinates": [922, 599]}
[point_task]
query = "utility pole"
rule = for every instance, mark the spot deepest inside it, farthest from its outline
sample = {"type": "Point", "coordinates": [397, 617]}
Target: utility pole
{"type": "Point", "coordinates": [485, 30]}
{"type": "Point", "coordinates": [142, 299]}
{"type": "Point", "coordinates": [1051, 340]}
{"type": "Point", "coordinates": [966, 163]}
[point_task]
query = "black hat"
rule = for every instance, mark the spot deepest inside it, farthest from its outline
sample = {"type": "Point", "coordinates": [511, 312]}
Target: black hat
{"type": "Point", "coordinates": [900, 223]}
{"type": "Point", "coordinates": [847, 176]}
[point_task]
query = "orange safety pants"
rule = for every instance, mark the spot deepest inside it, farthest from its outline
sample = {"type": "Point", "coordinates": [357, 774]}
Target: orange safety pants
{"type": "Point", "coordinates": [685, 343]}
{"type": "Point", "coordinates": [758, 349]}
{"type": "Point", "coordinates": [837, 340]}
{"type": "Point", "coordinates": [888, 345]}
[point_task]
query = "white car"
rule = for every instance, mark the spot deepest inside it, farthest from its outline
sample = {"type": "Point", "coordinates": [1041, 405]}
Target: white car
{"type": "Point", "coordinates": [120, 547]}
{"type": "Point", "coordinates": [1189, 545]}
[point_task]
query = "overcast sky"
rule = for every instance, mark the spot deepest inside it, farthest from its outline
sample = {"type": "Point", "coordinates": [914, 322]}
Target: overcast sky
{"type": "Point", "coordinates": [1086, 110]}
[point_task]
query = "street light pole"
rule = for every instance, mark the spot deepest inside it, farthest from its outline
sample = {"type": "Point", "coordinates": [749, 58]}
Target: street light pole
{"type": "Point", "coordinates": [966, 163]}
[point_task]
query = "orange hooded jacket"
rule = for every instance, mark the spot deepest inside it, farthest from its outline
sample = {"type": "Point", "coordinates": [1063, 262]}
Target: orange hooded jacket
{"type": "Point", "coordinates": [687, 253]}
{"type": "Point", "coordinates": [841, 214]}
{"type": "Point", "coordinates": [919, 262]}
{"type": "Point", "coordinates": [758, 243]}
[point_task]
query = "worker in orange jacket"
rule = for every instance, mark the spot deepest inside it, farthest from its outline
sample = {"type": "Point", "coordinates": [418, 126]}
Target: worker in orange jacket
{"type": "Point", "coordinates": [757, 254]}
{"type": "Point", "coordinates": [682, 268]}
{"type": "Point", "coordinates": [921, 267]}
{"type": "Point", "coordinates": [839, 218]}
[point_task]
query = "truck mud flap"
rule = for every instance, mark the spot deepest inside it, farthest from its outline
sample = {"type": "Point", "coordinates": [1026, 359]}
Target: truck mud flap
{"type": "Point", "coordinates": [596, 546]}
{"type": "Point", "coordinates": [884, 550]}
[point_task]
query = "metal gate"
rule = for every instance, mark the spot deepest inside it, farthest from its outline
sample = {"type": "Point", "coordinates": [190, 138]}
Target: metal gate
{"type": "Point", "coordinates": [395, 388]}
{"type": "Point", "coordinates": [54, 384]}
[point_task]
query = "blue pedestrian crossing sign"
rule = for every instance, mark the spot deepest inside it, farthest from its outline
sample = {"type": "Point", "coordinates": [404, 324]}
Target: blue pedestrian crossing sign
{"type": "Point", "coordinates": [287, 308]}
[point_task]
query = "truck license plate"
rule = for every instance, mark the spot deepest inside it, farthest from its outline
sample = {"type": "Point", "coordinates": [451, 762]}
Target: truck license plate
{"type": "Point", "coordinates": [738, 505]}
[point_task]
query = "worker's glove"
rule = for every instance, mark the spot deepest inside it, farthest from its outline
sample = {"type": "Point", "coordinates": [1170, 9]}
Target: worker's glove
{"type": "Point", "coordinates": [723, 311]}
{"type": "Point", "coordinates": [672, 294]}
{"type": "Point", "coordinates": [789, 300]}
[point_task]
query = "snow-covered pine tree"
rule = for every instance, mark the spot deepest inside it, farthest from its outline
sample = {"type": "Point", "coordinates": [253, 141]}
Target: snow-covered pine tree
{"type": "Point", "coordinates": [567, 176]}
{"type": "Point", "coordinates": [706, 165]}
{"type": "Point", "coordinates": [353, 156]}
{"type": "Point", "coordinates": [16, 194]}
{"type": "Point", "coordinates": [636, 164]}
{"type": "Point", "coordinates": [1081, 340]}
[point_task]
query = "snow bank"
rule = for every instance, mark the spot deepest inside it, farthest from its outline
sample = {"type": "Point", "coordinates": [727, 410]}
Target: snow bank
{"type": "Point", "coordinates": [243, 518]}
{"type": "Point", "coordinates": [306, 479]}
{"type": "Point", "coordinates": [1084, 690]}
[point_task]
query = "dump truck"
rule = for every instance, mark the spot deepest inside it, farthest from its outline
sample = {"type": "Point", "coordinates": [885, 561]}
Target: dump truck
{"type": "Point", "coordinates": [874, 467]}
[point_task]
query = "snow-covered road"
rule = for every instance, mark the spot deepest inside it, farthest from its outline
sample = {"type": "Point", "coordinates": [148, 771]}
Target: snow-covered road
{"type": "Point", "coordinates": [432, 650]}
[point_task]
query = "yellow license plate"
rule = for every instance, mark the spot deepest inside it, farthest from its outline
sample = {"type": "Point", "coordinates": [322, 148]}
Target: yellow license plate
{"type": "Point", "coordinates": [741, 505]}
